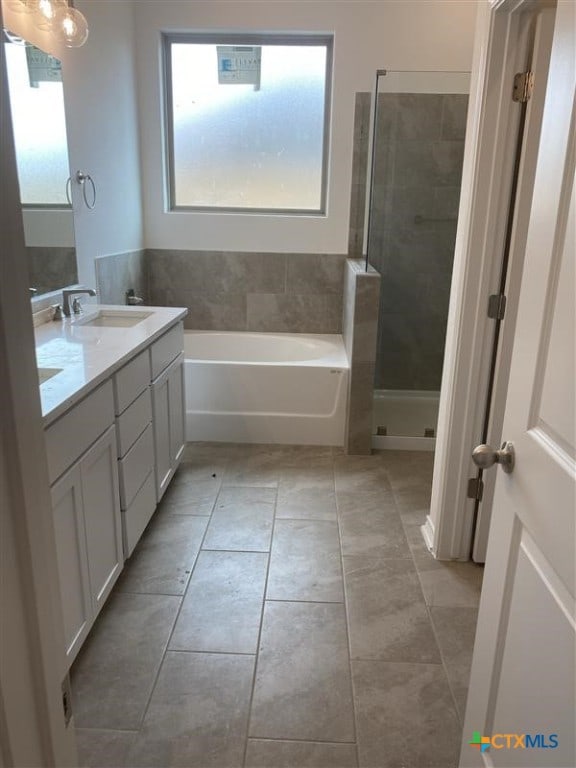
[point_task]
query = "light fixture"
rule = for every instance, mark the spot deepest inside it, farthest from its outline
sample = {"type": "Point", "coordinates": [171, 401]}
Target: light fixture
{"type": "Point", "coordinates": [45, 11]}
{"type": "Point", "coordinates": [58, 16]}
{"type": "Point", "coordinates": [20, 6]}
{"type": "Point", "coordinates": [70, 27]}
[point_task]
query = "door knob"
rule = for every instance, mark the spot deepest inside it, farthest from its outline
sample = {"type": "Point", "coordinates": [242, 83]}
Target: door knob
{"type": "Point", "coordinates": [484, 456]}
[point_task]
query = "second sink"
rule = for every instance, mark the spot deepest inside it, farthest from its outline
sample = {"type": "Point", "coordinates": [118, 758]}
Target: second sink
{"type": "Point", "coordinates": [113, 318]}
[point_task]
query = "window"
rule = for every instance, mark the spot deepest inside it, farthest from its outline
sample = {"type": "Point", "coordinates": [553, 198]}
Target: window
{"type": "Point", "coordinates": [247, 121]}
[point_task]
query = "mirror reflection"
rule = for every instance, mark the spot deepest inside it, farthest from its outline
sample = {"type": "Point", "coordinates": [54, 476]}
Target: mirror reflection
{"type": "Point", "coordinates": [38, 117]}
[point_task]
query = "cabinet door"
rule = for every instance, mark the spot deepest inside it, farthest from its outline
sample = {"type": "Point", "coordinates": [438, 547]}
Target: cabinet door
{"type": "Point", "coordinates": [168, 419]}
{"type": "Point", "coordinates": [68, 518]}
{"type": "Point", "coordinates": [176, 395]}
{"type": "Point", "coordinates": [161, 423]}
{"type": "Point", "coordinates": [102, 516]}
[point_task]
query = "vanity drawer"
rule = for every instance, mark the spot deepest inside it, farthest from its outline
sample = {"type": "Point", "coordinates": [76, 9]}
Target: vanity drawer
{"type": "Point", "coordinates": [135, 466]}
{"type": "Point", "coordinates": [130, 381]}
{"type": "Point", "coordinates": [71, 435]}
{"type": "Point", "coordinates": [137, 516]}
{"type": "Point", "coordinates": [134, 420]}
{"type": "Point", "coordinates": [166, 349]}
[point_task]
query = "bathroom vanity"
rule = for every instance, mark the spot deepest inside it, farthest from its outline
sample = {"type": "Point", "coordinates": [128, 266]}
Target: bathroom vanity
{"type": "Point", "coordinates": [111, 385]}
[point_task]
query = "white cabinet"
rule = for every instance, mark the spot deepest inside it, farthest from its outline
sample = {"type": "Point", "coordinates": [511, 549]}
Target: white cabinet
{"type": "Point", "coordinates": [110, 459]}
{"type": "Point", "coordinates": [86, 514]}
{"type": "Point", "coordinates": [135, 448]}
{"type": "Point", "coordinates": [168, 421]}
{"type": "Point", "coordinates": [102, 517]}
{"type": "Point", "coordinates": [70, 534]}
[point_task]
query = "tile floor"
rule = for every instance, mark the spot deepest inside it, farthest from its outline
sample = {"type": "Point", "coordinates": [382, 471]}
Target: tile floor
{"type": "Point", "coordinates": [282, 611]}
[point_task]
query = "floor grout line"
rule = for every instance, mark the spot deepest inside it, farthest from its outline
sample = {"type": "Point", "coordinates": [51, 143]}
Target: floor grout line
{"type": "Point", "coordinates": [237, 551]}
{"type": "Point", "coordinates": [432, 625]}
{"type": "Point", "coordinates": [310, 602]}
{"type": "Point", "coordinates": [303, 741]}
{"type": "Point", "coordinates": [171, 633]}
{"type": "Point", "coordinates": [251, 700]}
{"type": "Point", "coordinates": [347, 628]}
{"type": "Point", "coordinates": [210, 653]}
{"type": "Point", "coordinates": [108, 730]}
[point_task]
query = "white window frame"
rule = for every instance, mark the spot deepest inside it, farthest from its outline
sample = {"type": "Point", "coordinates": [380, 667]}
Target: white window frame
{"type": "Point", "coordinates": [243, 39]}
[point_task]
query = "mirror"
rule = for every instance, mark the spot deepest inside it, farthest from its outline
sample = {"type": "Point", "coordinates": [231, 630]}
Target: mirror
{"type": "Point", "coordinates": [38, 118]}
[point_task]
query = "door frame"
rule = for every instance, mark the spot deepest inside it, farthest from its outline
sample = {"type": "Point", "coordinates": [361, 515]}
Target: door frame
{"type": "Point", "coordinates": [33, 731]}
{"type": "Point", "coordinates": [500, 48]}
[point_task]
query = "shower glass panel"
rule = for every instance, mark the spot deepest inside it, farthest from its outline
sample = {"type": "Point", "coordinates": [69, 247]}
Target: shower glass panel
{"type": "Point", "coordinates": [418, 145]}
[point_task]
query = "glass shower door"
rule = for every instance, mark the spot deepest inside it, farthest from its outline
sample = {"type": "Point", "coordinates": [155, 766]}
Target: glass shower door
{"type": "Point", "coordinates": [418, 145]}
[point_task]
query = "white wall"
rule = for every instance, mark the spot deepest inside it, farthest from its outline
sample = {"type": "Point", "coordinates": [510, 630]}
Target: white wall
{"type": "Point", "coordinates": [102, 126]}
{"type": "Point", "coordinates": [391, 34]}
{"type": "Point", "coordinates": [100, 92]}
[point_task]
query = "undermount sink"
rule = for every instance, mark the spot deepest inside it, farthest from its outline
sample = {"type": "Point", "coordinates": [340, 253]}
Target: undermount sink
{"type": "Point", "coordinates": [46, 373]}
{"type": "Point", "coordinates": [113, 318]}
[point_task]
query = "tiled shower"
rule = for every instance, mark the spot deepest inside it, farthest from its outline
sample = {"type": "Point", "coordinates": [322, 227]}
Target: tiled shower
{"type": "Point", "coordinates": [418, 147]}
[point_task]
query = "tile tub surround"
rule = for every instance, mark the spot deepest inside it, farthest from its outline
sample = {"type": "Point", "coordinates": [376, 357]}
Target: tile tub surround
{"type": "Point", "coordinates": [118, 273]}
{"type": "Point", "coordinates": [359, 330]}
{"type": "Point", "coordinates": [266, 292]}
{"type": "Point", "coordinates": [51, 268]}
{"type": "Point", "coordinates": [292, 619]}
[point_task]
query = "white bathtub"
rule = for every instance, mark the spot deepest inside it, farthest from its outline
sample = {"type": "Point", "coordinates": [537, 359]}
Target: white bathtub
{"type": "Point", "coordinates": [265, 387]}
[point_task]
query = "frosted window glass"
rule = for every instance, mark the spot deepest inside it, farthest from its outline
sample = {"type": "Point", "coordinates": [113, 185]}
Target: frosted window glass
{"type": "Point", "coordinates": [39, 133]}
{"type": "Point", "coordinates": [249, 147]}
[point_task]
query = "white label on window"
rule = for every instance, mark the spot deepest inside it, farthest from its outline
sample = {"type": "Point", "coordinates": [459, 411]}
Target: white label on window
{"type": "Point", "coordinates": [239, 64]}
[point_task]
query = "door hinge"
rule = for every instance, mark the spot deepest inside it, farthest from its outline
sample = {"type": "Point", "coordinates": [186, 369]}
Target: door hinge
{"type": "Point", "coordinates": [67, 699]}
{"type": "Point", "coordinates": [497, 306]}
{"type": "Point", "coordinates": [475, 489]}
{"type": "Point", "coordinates": [523, 86]}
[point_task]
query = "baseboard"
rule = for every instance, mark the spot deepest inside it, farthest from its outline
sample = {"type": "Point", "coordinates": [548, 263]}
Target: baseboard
{"type": "Point", "coordinates": [428, 533]}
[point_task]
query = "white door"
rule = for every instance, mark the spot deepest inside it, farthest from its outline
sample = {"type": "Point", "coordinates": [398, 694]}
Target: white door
{"type": "Point", "coordinates": [521, 704]}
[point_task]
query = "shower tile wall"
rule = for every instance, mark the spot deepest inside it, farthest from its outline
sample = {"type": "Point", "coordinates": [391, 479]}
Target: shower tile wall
{"type": "Point", "coordinates": [268, 292]}
{"type": "Point", "coordinates": [359, 171]}
{"type": "Point", "coordinates": [418, 168]}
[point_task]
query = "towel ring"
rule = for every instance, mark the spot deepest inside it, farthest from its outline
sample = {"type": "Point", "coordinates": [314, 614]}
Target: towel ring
{"type": "Point", "coordinates": [69, 191]}
{"type": "Point", "coordinates": [82, 178]}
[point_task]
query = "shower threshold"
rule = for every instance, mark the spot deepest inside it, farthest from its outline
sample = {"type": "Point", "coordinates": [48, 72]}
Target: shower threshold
{"type": "Point", "coordinates": [405, 419]}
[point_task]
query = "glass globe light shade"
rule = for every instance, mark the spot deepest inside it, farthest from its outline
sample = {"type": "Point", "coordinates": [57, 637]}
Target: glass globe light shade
{"type": "Point", "coordinates": [70, 27]}
{"type": "Point", "coordinates": [45, 11]}
{"type": "Point", "coordinates": [21, 6]}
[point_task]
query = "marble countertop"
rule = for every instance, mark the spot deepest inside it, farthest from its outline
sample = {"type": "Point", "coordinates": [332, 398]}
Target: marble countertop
{"type": "Point", "coordinates": [88, 355]}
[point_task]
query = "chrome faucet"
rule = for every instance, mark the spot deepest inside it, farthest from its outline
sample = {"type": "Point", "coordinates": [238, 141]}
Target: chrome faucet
{"type": "Point", "coordinates": [67, 292]}
{"type": "Point", "coordinates": [131, 299]}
